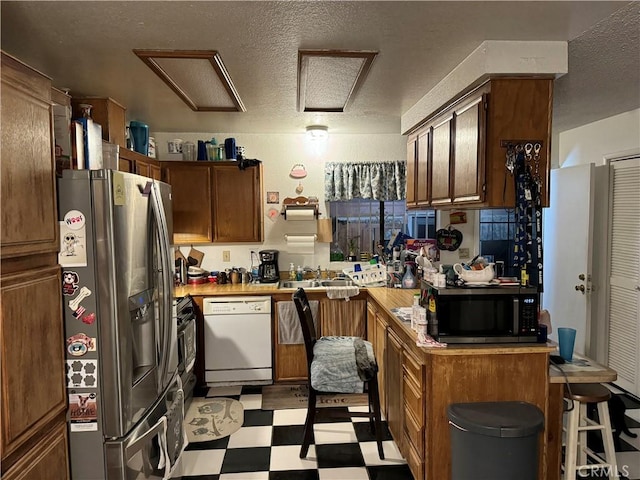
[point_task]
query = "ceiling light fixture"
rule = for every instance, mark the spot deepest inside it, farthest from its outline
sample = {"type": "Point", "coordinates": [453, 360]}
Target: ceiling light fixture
{"type": "Point", "coordinates": [198, 77]}
{"type": "Point", "coordinates": [317, 132]}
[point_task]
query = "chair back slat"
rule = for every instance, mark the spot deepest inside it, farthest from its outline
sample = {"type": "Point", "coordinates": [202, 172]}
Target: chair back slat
{"type": "Point", "coordinates": [306, 323]}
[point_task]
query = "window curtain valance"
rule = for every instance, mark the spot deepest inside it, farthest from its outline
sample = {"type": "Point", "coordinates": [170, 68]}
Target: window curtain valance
{"type": "Point", "coordinates": [384, 181]}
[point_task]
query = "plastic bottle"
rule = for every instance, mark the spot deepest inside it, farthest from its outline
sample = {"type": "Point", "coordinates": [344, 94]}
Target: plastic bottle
{"type": "Point", "coordinates": [292, 272]}
{"type": "Point", "coordinates": [408, 280]}
{"type": "Point", "coordinates": [414, 311]}
{"type": "Point", "coordinates": [299, 274]}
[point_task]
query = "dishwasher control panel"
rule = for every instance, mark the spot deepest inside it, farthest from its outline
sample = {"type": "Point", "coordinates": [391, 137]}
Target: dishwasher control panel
{"type": "Point", "coordinates": [236, 305]}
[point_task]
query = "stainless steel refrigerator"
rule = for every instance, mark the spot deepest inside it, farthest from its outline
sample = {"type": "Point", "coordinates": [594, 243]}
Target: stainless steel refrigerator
{"type": "Point", "coordinates": [126, 404]}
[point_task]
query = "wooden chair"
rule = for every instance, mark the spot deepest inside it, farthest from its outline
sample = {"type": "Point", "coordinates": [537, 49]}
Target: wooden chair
{"type": "Point", "coordinates": [370, 386]}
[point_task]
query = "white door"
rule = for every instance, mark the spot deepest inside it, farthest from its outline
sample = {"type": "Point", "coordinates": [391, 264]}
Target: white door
{"type": "Point", "coordinates": [567, 243]}
{"type": "Point", "coordinates": [624, 274]}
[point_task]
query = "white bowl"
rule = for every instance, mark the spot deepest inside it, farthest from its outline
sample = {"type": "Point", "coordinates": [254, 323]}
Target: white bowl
{"type": "Point", "coordinates": [475, 276]}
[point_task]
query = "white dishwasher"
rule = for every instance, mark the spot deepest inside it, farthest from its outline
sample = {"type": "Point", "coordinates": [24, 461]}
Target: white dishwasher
{"type": "Point", "coordinates": [237, 336]}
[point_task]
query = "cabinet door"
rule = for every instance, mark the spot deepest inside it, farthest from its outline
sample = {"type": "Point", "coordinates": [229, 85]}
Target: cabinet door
{"type": "Point", "coordinates": [192, 201]}
{"type": "Point", "coordinates": [290, 359]}
{"type": "Point", "coordinates": [155, 172]}
{"type": "Point", "coordinates": [441, 161]}
{"type": "Point", "coordinates": [412, 171]}
{"type": "Point", "coordinates": [28, 215]}
{"type": "Point", "coordinates": [468, 165]}
{"type": "Point", "coordinates": [48, 459]}
{"type": "Point", "coordinates": [394, 387]}
{"type": "Point", "coordinates": [380, 348]}
{"type": "Point", "coordinates": [237, 204]}
{"type": "Point", "coordinates": [344, 318]}
{"type": "Point", "coordinates": [423, 171]}
{"type": "Point", "coordinates": [142, 168]}
{"type": "Point", "coordinates": [32, 343]}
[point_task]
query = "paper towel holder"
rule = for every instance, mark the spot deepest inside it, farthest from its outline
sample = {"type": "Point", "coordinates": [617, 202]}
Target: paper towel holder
{"type": "Point", "coordinates": [298, 204]}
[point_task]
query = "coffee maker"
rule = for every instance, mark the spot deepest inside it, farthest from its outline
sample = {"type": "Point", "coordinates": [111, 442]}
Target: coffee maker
{"type": "Point", "coordinates": [268, 269]}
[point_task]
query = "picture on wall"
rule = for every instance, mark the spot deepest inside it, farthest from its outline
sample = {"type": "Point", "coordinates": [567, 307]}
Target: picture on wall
{"type": "Point", "coordinates": [273, 197]}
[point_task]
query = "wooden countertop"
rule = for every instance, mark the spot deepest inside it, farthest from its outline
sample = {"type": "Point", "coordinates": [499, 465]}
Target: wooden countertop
{"type": "Point", "coordinates": [389, 298]}
{"type": "Point", "coordinates": [593, 372]}
{"type": "Point", "coordinates": [213, 289]}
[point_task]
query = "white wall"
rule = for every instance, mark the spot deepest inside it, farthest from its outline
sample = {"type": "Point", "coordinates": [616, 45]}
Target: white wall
{"type": "Point", "coordinates": [594, 143]}
{"type": "Point", "coordinates": [279, 152]}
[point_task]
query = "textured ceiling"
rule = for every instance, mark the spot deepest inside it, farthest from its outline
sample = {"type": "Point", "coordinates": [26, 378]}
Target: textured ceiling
{"type": "Point", "coordinates": [87, 47]}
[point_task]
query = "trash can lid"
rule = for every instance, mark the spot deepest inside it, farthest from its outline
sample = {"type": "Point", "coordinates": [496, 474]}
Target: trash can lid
{"type": "Point", "coordinates": [497, 419]}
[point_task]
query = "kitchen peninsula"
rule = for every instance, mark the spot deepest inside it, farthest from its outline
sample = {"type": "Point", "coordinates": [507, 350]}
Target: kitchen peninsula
{"type": "Point", "coordinates": [417, 384]}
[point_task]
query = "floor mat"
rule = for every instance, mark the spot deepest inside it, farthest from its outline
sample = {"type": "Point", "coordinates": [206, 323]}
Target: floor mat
{"type": "Point", "coordinates": [277, 397]}
{"type": "Point", "coordinates": [213, 418]}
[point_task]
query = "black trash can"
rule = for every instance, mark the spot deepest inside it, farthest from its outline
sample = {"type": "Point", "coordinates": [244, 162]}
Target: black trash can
{"type": "Point", "coordinates": [494, 440]}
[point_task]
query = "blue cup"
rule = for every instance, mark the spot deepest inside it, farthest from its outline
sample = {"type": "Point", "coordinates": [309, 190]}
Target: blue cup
{"type": "Point", "coordinates": [566, 341]}
{"type": "Point", "coordinates": [140, 136]}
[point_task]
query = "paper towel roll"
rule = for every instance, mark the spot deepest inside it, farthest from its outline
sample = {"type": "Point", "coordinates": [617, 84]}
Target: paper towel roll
{"type": "Point", "coordinates": [300, 214]}
{"type": "Point", "coordinates": [300, 243]}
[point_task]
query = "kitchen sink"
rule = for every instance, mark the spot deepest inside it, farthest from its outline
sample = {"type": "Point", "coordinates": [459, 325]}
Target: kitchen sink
{"type": "Point", "coordinates": [337, 282]}
{"type": "Point", "coordinates": [299, 283]}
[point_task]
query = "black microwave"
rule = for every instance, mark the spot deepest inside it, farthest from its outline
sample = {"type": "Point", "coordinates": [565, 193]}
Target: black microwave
{"type": "Point", "coordinates": [481, 314]}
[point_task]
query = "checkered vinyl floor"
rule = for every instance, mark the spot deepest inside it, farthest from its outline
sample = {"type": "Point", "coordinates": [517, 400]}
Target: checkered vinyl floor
{"type": "Point", "coordinates": [267, 447]}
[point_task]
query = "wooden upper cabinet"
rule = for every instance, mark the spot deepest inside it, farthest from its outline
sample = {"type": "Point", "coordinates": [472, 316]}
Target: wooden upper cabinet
{"type": "Point", "coordinates": [441, 161]}
{"type": "Point", "coordinates": [468, 163]}
{"type": "Point", "coordinates": [412, 173]}
{"type": "Point", "coordinates": [423, 171]}
{"type": "Point", "coordinates": [518, 109]}
{"type": "Point", "coordinates": [469, 138]}
{"type": "Point", "coordinates": [29, 214]}
{"type": "Point", "coordinates": [192, 200]}
{"type": "Point", "coordinates": [215, 201]}
{"type": "Point", "coordinates": [108, 113]}
{"type": "Point", "coordinates": [237, 203]}
{"type": "Point", "coordinates": [134, 162]}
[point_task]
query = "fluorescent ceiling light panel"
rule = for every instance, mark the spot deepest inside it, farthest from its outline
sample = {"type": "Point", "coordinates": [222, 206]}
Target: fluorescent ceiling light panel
{"type": "Point", "coordinates": [328, 80]}
{"type": "Point", "coordinates": [198, 77]}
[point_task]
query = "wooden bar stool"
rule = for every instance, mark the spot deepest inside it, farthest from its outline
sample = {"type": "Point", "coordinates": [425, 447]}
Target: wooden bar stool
{"type": "Point", "coordinates": [576, 450]}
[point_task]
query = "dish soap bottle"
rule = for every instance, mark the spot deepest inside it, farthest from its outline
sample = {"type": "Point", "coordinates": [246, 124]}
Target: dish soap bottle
{"type": "Point", "coordinates": [299, 274]}
{"type": "Point", "coordinates": [292, 272]}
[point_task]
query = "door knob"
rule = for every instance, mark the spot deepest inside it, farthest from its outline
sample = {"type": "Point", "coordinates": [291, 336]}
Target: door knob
{"type": "Point", "coordinates": [581, 276]}
{"type": "Point", "coordinates": [580, 288]}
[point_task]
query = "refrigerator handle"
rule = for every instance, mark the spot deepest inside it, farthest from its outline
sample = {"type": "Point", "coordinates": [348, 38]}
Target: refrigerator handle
{"type": "Point", "coordinates": [165, 317]}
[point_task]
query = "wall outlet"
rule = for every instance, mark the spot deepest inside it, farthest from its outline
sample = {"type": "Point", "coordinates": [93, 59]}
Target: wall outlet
{"type": "Point", "coordinates": [463, 253]}
{"type": "Point", "coordinates": [226, 256]}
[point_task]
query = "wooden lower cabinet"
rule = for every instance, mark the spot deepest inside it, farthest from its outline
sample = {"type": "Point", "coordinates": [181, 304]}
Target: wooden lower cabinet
{"type": "Point", "coordinates": [421, 383]}
{"type": "Point", "coordinates": [344, 318]}
{"type": "Point", "coordinates": [46, 460]}
{"type": "Point", "coordinates": [380, 349]}
{"type": "Point", "coordinates": [337, 317]}
{"type": "Point", "coordinates": [290, 360]}
{"type": "Point", "coordinates": [393, 382]}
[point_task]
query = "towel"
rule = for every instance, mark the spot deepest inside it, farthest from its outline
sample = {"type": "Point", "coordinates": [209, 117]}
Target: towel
{"type": "Point", "coordinates": [289, 330]}
{"type": "Point", "coordinates": [342, 292]}
{"type": "Point", "coordinates": [335, 366]}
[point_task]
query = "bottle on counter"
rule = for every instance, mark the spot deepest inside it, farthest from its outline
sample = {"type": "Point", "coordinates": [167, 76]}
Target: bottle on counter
{"type": "Point", "coordinates": [292, 272]}
{"type": "Point", "coordinates": [414, 311]}
{"type": "Point", "coordinates": [299, 274]}
{"type": "Point", "coordinates": [409, 279]}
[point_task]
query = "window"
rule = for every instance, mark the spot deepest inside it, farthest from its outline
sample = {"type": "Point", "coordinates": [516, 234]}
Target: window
{"type": "Point", "coordinates": [360, 225]}
{"type": "Point", "coordinates": [497, 234]}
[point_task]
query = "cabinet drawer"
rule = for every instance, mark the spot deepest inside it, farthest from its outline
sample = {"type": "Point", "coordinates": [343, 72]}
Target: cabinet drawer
{"type": "Point", "coordinates": [413, 399]}
{"type": "Point", "coordinates": [413, 430]}
{"type": "Point", "coordinates": [414, 460]}
{"type": "Point", "coordinates": [413, 368]}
